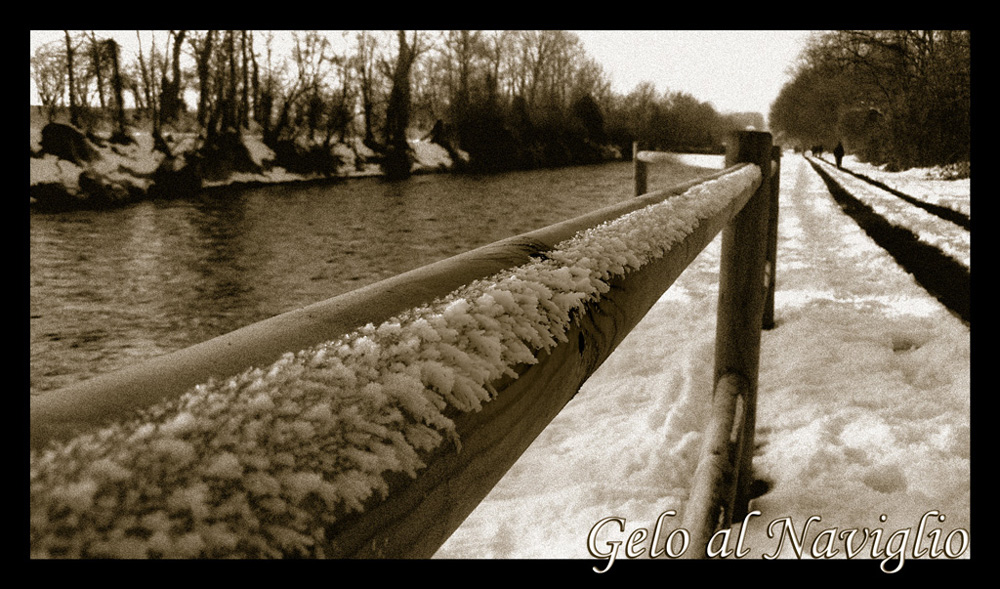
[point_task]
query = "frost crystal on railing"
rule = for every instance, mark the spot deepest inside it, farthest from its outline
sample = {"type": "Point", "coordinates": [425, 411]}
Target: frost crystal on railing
{"type": "Point", "coordinates": [257, 465]}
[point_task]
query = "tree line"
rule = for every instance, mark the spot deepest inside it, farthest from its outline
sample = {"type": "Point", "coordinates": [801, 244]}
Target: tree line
{"type": "Point", "coordinates": [509, 99]}
{"type": "Point", "coordinates": [896, 97]}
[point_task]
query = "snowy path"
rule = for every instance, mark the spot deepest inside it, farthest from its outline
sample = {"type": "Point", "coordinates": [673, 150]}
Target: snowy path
{"type": "Point", "coordinates": [864, 406]}
{"type": "Point", "coordinates": [952, 240]}
{"type": "Point", "coordinates": [918, 183]}
{"type": "Point", "coordinates": [863, 411]}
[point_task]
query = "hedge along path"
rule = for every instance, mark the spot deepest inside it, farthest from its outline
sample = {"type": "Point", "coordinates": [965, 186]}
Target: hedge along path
{"type": "Point", "coordinates": [295, 457]}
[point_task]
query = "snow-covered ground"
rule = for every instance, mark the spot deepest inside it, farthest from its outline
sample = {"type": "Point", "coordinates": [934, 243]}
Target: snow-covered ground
{"type": "Point", "coordinates": [863, 417]}
{"type": "Point", "coordinates": [925, 184]}
{"type": "Point", "coordinates": [953, 240]}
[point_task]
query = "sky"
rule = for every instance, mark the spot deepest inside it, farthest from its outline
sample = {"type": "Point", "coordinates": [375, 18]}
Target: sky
{"type": "Point", "coordinates": [734, 70]}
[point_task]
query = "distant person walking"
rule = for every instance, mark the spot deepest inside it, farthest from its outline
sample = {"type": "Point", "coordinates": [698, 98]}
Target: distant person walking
{"type": "Point", "coordinates": [838, 153]}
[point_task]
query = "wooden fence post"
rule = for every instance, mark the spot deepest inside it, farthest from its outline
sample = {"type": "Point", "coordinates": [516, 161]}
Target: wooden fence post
{"type": "Point", "coordinates": [770, 267]}
{"type": "Point", "coordinates": [720, 490]}
{"type": "Point", "coordinates": [741, 299]}
{"type": "Point", "coordinates": [640, 170]}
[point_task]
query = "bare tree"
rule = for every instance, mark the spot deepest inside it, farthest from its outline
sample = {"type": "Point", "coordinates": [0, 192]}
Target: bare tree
{"type": "Point", "coordinates": [228, 90]}
{"type": "Point", "coordinates": [398, 160]}
{"type": "Point", "coordinates": [536, 49]}
{"type": "Point", "coordinates": [462, 46]}
{"type": "Point", "coordinates": [120, 134]}
{"type": "Point", "coordinates": [900, 97]}
{"type": "Point", "coordinates": [203, 49]}
{"type": "Point", "coordinates": [244, 110]}
{"type": "Point", "coordinates": [74, 107]}
{"type": "Point", "coordinates": [255, 82]}
{"type": "Point", "coordinates": [48, 70]}
{"type": "Point", "coordinates": [97, 63]}
{"type": "Point", "coordinates": [153, 91]}
{"type": "Point", "coordinates": [364, 63]}
{"type": "Point", "coordinates": [170, 93]}
{"type": "Point", "coordinates": [342, 107]}
{"type": "Point", "coordinates": [147, 84]}
{"type": "Point", "coordinates": [311, 61]}
{"type": "Point", "coordinates": [498, 46]}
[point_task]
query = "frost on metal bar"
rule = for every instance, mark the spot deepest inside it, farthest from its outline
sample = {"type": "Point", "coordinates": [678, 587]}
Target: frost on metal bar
{"type": "Point", "coordinates": [258, 465]}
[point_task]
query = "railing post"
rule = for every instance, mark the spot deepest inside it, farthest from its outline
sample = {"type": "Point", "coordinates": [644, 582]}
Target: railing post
{"type": "Point", "coordinates": [720, 490]}
{"type": "Point", "coordinates": [741, 300]}
{"type": "Point", "coordinates": [770, 267]}
{"type": "Point", "coordinates": [640, 170]}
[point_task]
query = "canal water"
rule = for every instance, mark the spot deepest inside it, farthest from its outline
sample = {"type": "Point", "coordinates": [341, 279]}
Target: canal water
{"type": "Point", "coordinates": [112, 288]}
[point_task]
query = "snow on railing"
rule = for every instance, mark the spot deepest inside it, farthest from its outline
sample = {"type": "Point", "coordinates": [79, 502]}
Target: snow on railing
{"type": "Point", "coordinates": [269, 462]}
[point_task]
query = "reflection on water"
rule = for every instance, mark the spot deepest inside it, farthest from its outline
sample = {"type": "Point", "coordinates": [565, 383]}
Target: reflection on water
{"type": "Point", "coordinates": [109, 288]}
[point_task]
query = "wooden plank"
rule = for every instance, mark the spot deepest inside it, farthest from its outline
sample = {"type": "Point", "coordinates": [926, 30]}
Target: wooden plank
{"type": "Point", "coordinates": [640, 171]}
{"type": "Point", "coordinates": [709, 504]}
{"type": "Point", "coordinates": [420, 514]}
{"type": "Point", "coordinates": [64, 412]}
{"type": "Point", "coordinates": [772, 239]}
{"type": "Point", "coordinates": [656, 157]}
{"type": "Point", "coordinates": [724, 472]}
{"type": "Point", "coordinates": [742, 292]}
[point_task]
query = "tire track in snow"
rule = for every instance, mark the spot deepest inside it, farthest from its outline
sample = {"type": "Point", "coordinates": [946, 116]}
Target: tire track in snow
{"type": "Point", "coordinates": [942, 276]}
{"type": "Point", "coordinates": [860, 383]}
{"type": "Point", "coordinates": [946, 213]}
{"type": "Point", "coordinates": [950, 238]}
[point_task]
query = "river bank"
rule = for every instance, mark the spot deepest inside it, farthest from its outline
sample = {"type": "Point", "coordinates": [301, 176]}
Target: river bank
{"type": "Point", "coordinates": [93, 172]}
{"type": "Point", "coordinates": [72, 169]}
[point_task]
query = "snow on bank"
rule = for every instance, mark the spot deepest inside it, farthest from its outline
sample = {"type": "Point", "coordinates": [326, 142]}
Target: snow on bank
{"type": "Point", "coordinates": [863, 418]}
{"type": "Point", "coordinates": [427, 157]}
{"type": "Point", "coordinates": [134, 164]}
{"type": "Point", "coordinates": [257, 465]}
{"type": "Point", "coordinates": [131, 164]}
